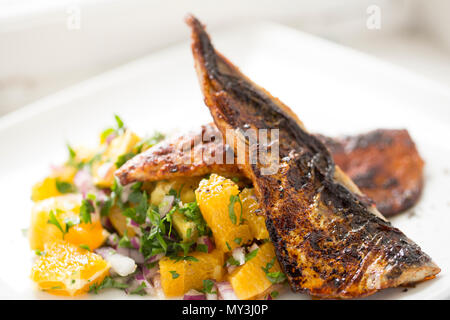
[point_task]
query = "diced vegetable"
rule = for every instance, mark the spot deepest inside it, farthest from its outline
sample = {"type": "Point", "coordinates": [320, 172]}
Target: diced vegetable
{"type": "Point", "coordinates": [225, 291]}
{"type": "Point", "coordinates": [252, 215]}
{"type": "Point", "coordinates": [194, 295]}
{"type": "Point", "coordinates": [254, 277]}
{"type": "Point", "coordinates": [183, 188]}
{"type": "Point", "coordinates": [117, 150]}
{"type": "Point", "coordinates": [181, 274]}
{"type": "Point", "coordinates": [119, 222]}
{"type": "Point", "coordinates": [187, 230]}
{"type": "Point", "coordinates": [60, 181]}
{"type": "Point", "coordinates": [120, 264]}
{"type": "Point", "coordinates": [219, 204]}
{"type": "Point", "coordinates": [59, 218]}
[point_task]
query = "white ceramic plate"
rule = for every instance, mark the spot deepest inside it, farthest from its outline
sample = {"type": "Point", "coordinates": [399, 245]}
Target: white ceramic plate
{"type": "Point", "coordinates": [334, 90]}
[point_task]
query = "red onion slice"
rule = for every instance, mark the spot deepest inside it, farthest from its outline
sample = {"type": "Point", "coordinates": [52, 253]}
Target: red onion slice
{"type": "Point", "coordinates": [206, 241]}
{"type": "Point", "coordinates": [135, 242]}
{"type": "Point", "coordinates": [194, 295]}
{"type": "Point", "coordinates": [239, 255]}
{"type": "Point", "coordinates": [225, 291]}
{"type": "Point", "coordinates": [132, 253]}
{"type": "Point", "coordinates": [213, 295]}
{"type": "Point", "coordinates": [110, 137]}
{"type": "Point", "coordinates": [120, 264]}
{"type": "Point", "coordinates": [155, 258]}
{"type": "Point", "coordinates": [83, 181]}
{"type": "Point", "coordinates": [113, 240]}
{"type": "Point", "coordinates": [140, 281]}
{"type": "Point", "coordinates": [150, 273]}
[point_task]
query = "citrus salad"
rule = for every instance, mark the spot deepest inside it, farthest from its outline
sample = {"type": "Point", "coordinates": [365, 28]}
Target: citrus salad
{"type": "Point", "coordinates": [197, 238]}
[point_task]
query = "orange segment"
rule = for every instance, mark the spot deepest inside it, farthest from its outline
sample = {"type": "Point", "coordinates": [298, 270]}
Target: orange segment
{"type": "Point", "coordinates": [119, 222]}
{"type": "Point", "coordinates": [46, 188]}
{"type": "Point", "coordinates": [178, 277]}
{"type": "Point", "coordinates": [250, 280]}
{"type": "Point", "coordinates": [103, 171]}
{"type": "Point", "coordinates": [250, 213]}
{"type": "Point", "coordinates": [65, 208]}
{"type": "Point", "coordinates": [213, 197]}
{"type": "Point", "coordinates": [66, 269]}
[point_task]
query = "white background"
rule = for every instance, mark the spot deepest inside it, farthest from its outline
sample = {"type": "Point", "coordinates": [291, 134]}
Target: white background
{"type": "Point", "coordinates": [40, 55]}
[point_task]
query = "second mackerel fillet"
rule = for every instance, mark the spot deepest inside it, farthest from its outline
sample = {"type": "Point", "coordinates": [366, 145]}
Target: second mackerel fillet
{"type": "Point", "coordinates": [329, 243]}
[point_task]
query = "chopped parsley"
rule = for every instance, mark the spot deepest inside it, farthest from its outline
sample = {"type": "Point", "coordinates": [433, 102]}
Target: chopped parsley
{"type": "Point", "coordinates": [124, 158]}
{"type": "Point", "coordinates": [64, 187]}
{"type": "Point", "coordinates": [202, 247]}
{"type": "Point", "coordinates": [251, 255]}
{"type": "Point", "coordinates": [140, 290]}
{"type": "Point", "coordinates": [39, 252]}
{"type": "Point", "coordinates": [86, 209]}
{"type": "Point", "coordinates": [125, 242]}
{"type": "Point", "coordinates": [191, 212]}
{"type": "Point", "coordinates": [238, 240]}
{"type": "Point", "coordinates": [138, 213]}
{"type": "Point", "coordinates": [274, 277]}
{"type": "Point", "coordinates": [85, 247]}
{"type": "Point", "coordinates": [183, 258]}
{"type": "Point", "coordinates": [232, 261]}
{"type": "Point", "coordinates": [107, 283]}
{"type": "Point", "coordinates": [72, 153]}
{"type": "Point", "coordinates": [54, 221]}
{"type": "Point", "coordinates": [231, 212]}
{"type": "Point", "coordinates": [207, 287]}
{"type": "Point", "coordinates": [149, 142]}
{"type": "Point", "coordinates": [174, 274]}
{"type": "Point", "coordinates": [120, 124]}
{"type": "Point", "coordinates": [117, 130]}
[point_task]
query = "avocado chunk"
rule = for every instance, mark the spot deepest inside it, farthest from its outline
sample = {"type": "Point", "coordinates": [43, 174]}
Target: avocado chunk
{"type": "Point", "coordinates": [186, 229]}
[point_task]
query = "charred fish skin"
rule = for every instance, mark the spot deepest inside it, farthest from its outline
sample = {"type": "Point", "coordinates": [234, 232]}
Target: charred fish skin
{"type": "Point", "coordinates": [191, 154]}
{"type": "Point", "coordinates": [384, 164]}
{"type": "Point", "coordinates": [328, 243]}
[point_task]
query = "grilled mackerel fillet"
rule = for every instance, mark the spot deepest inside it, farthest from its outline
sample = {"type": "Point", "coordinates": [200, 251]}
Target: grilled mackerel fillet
{"type": "Point", "coordinates": [327, 241]}
{"type": "Point", "coordinates": [384, 164]}
{"type": "Point", "coordinates": [190, 154]}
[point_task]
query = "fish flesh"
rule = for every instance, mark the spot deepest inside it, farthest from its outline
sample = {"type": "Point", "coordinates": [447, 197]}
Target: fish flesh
{"type": "Point", "coordinates": [384, 164]}
{"type": "Point", "coordinates": [328, 242]}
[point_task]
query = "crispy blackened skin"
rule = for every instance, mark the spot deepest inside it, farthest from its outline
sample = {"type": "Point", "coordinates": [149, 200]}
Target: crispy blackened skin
{"type": "Point", "coordinates": [195, 153]}
{"type": "Point", "coordinates": [328, 243]}
{"type": "Point", "coordinates": [384, 164]}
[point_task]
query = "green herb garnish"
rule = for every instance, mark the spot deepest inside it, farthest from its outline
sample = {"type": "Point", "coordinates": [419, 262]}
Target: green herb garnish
{"type": "Point", "coordinates": [64, 187]}
{"type": "Point", "coordinates": [85, 247]}
{"type": "Point", "coordinates": [231, 212]}
{"type": "Point", "coordinates": [232, 261]}
{"type": "Point", "coordinates": [108, 282]}
{"type": "Point", "coordinates": [202, 247]}
{"type": "Point", "coordinates": [274, 277]}
{"type": "Point", "coordinates": [207, 286]}
{"type": "Point", "coordinates": [251, 255]}
{"type": "Point", "coordinates": [85, 210]}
